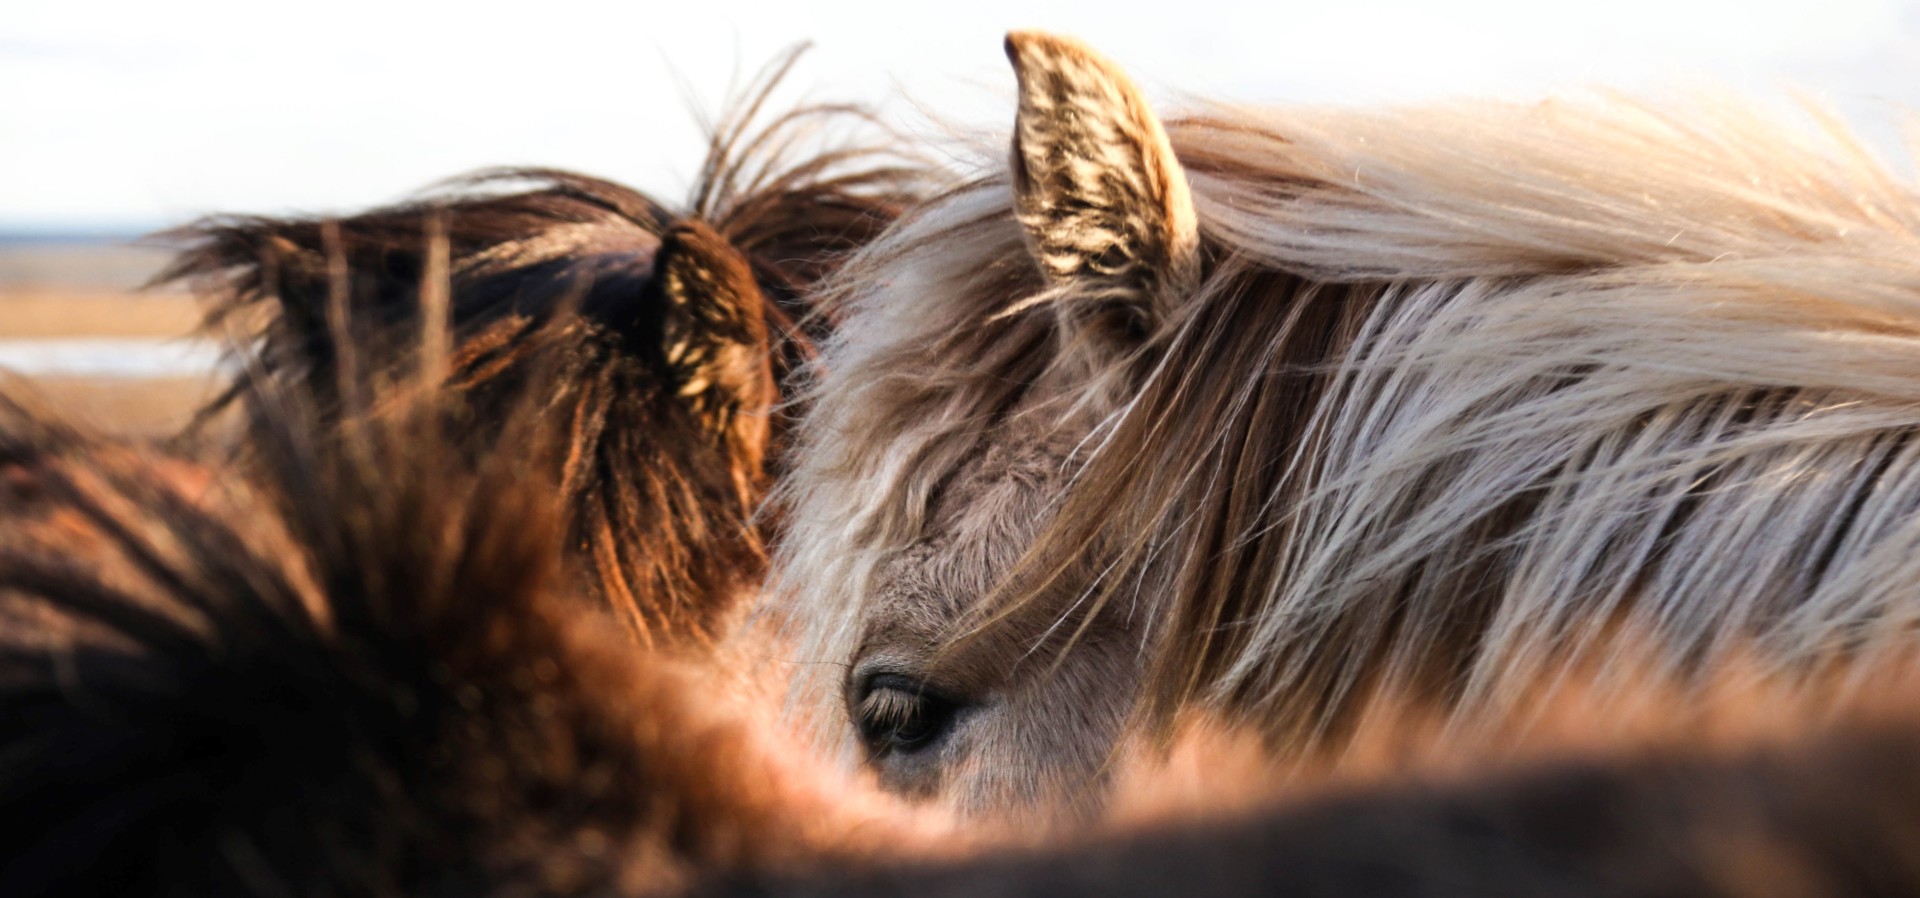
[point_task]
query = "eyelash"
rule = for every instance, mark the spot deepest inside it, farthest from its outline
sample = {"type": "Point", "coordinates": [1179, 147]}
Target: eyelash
{"type": "Point", "coordinates": [901, 715]}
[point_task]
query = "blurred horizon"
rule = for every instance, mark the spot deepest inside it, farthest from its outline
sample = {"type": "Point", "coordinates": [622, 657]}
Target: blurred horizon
{"type": "Point", "coordinates": [120, 118]}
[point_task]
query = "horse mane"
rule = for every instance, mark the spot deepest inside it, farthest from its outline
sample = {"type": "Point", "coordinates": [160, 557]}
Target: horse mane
{"type": "Point", "coordinates": [359, 673]}
{"type": "Point", "coordinates": [1461, 390]}
{"type": "Point", "coordinates": [543, 266]}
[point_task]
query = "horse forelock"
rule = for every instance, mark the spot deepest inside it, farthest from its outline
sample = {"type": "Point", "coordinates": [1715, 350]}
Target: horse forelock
{"type": "Point", "coordinates": [1461, 387]}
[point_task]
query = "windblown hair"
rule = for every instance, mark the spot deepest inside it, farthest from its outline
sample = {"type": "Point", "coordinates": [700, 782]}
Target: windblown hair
{"type": "Point", "coordinates": [358, 675]}
{"type": "Point", "coordinates": [1447, 395]}
{"type": "Point", "coordinates": [672, 328]}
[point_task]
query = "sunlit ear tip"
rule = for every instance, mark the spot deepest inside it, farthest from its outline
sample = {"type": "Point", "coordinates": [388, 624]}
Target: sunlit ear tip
{"type": "Point", "coordinates": [1028, 48]}
{"type": "Point", "coordinates": [1024, 47]}
{"type": "Point", "coordinates": [1095, 179]}
{"type": "Point", "coordinates": [693, 253]}
{"type": "Point", "coordinates": [693, 231]}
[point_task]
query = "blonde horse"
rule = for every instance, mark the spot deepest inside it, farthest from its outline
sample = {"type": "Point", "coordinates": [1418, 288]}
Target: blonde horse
{"type": "Point", "coordinates": [1276, 412]}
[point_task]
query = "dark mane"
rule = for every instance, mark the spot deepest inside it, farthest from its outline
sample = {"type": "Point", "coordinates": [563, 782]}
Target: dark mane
{"type": "Point", "coordinates": [669, 430]}
{"type": "Point", "coordinates": [795, 207]}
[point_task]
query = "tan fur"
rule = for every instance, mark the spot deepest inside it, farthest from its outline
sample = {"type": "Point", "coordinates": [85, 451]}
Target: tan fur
{"type": "Point", "coordinates": [1460, 391]}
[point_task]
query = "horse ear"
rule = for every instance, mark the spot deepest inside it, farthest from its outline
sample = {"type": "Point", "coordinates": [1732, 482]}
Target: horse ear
{"type": "Point", "coordinates": [714, 333]}
{"type": "Point", "coordinates": [1096, 184]}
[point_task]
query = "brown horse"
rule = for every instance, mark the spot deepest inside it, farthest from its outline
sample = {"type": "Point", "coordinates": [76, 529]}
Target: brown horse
{"type": "Point", "coordinates": [663, 328]}
{"type": "Point", "coordinates": [361, 673]}
{"type": "Point", "coordinates": [1276, 412]}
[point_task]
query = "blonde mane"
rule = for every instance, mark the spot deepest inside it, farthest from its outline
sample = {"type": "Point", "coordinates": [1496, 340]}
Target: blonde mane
{"type": "Point", "coordinates": [1461, 390]}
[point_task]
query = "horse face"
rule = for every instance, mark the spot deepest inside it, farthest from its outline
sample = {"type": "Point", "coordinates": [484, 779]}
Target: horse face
{"type": "Point", "coordinates": [981, 669]}
{"type": "Point", "coordinates": [945, 699]}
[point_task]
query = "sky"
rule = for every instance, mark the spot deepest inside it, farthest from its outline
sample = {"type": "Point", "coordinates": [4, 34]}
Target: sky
{"type": "Point", "coordinates": [134, 115]}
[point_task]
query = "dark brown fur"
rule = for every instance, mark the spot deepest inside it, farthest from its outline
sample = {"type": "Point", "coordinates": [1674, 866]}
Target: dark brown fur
{"type": "Point", "coordinates": [355, 677]}
{"type": "Point", "coordinates": [667, 330]}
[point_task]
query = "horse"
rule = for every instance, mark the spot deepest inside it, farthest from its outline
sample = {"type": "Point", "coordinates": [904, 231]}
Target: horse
{"type": "Point", "coordinates": [663, 328]}
{"type": "Point", "coordinates": [1276, 412]}
{"type": "Point", "coordinates": [360, 672]}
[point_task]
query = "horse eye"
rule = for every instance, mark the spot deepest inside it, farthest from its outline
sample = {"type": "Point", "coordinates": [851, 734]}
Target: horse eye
{"type": "Point", "coordinates": [899, 715]}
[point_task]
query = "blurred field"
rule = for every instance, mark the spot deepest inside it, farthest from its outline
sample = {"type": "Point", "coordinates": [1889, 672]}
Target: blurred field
{"type": "Point", "coordinates": [148, 407]}
{"type": "Point", "coordinates": [43, 312]}
{"type": "Point", "coordinates": [52, 293]}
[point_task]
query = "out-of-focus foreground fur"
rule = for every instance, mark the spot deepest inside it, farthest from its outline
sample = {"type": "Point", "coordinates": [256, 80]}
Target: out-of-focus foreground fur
{"type": "Point", "coordinates": [356, 676]}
